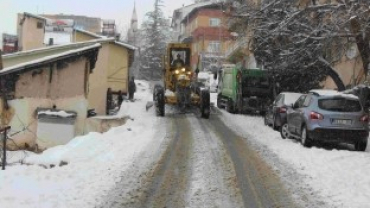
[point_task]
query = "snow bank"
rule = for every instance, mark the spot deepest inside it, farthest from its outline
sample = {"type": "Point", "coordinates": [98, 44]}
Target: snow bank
{"type": "Point", "coordinates": [340, 176]}
{"type": "Point", "coordinates": [79, 173]}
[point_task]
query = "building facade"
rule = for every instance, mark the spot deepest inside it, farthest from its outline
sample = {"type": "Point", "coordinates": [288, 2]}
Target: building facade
{"type": "Point", "coordinates": [91, 24]}
{"type": "Point", "coordinates": [205, 28]}
{"type": "Point", "coordinates": [54, 79]}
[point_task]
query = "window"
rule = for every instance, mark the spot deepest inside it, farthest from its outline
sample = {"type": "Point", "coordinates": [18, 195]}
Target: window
{"type": "Point", "coordinates": [307, 101]}
{"type": "Point", "coordinates": [300, 101]}
{"type": "Point", "coordinates": [40, 25]}
{"type": "Point", "coordinates": [340, 105]}
{"type": "Point", "coordinates": [214, 46]}
{"type": "Point", "coordinates": [278, 98]}
{"type": "Point", "coordinates": [214, 22]}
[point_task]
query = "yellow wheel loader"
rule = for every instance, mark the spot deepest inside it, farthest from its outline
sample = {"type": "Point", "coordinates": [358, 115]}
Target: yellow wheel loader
{"type": "Point", "coordinates": [180, 87]}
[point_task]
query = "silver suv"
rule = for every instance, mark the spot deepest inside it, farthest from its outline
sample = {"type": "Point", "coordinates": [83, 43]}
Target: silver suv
{"type": "Point", "coordinates": [328, 116]}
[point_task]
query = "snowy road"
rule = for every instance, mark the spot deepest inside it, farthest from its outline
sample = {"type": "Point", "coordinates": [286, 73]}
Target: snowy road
{"type": "Point", "coordinates": [183, 161]}
{"type": "Point", "coordinates": [201, 163]}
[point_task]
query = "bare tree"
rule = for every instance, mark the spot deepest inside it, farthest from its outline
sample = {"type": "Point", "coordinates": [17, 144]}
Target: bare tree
{"type": "Point", "coordinates": [299, 41]}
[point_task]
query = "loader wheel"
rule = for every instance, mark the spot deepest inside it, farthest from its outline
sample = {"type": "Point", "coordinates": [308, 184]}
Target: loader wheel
{"type": "Point", "coordinates": [205, 104]}
{"type": "Point", "coordinates": [160, 102]}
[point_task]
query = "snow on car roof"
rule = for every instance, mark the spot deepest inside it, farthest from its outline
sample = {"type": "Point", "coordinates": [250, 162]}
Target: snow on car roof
{"type": "Point", "coordinates": [333, 93]}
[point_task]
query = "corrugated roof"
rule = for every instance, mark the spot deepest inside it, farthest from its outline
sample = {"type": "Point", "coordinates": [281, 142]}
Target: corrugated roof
{"type": "Point", "coordinates": [126, 45]}
{"type": "Point", "coordinates": [46, 59]}
{"type": "Point", "coordinates": [35, 16]}
{"type": "Point", "coordinates": [89, 33]}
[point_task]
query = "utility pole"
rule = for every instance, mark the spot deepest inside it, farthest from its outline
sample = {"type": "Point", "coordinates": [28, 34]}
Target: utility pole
{"type": "Point", "coordinates": [3, 130]}
{"type": "Point", "coordinates": [1, 60]}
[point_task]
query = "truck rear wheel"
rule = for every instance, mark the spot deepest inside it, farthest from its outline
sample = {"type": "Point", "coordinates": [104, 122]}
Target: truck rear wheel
{"type": "Point", "coordinates": [205, 104]}
{"type": "Point", "coordinates": [219, 101]}
{"type": "Point", "coordinates": [230, 106]}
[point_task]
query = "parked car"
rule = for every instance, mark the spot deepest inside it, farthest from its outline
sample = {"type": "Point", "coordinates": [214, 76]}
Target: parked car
{"type": "Point", "coordinates": [328, 116]}
{"type": "Point", "coordinates": [276, 112]}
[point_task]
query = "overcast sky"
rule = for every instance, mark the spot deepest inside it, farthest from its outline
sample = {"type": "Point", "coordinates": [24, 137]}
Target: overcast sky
{"type": "Point", "coordinates": [120, 10]}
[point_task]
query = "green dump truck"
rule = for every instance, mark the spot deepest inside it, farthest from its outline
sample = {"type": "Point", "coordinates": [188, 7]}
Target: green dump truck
{"type": "Point", "coordinates": [242, 90]}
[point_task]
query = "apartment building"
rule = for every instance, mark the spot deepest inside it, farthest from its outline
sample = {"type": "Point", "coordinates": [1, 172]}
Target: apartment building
{"type": "Point", "coordinates": [203, 25]}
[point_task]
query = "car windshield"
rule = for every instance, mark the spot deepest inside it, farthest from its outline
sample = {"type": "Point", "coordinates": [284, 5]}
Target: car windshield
{"type": "Point", "coordinates": [340, 105]}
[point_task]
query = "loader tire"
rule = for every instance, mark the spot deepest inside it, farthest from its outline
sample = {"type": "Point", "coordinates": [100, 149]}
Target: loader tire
{"type": "Point", "coordinates": [160, 102]}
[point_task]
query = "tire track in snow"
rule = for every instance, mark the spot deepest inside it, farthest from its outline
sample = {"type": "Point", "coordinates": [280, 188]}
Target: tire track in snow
{"type": "Point", "coordinates": [128, 190]}
{"type": "Point", "coordinates": [259, 185]}
{"type": "Point", "coordinates": [168, 181]}
{"type": "Point", "coordinates": [212, 171]}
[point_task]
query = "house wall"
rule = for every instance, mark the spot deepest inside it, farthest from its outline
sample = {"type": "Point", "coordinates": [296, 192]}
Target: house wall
{"type": "Point", "coordinates": [53, 83]}
{"type": "Point", "coordinates": [30, 37]}
{"type": "Point", "coordinates": [63, 87]}
{"type": "Point", "coordinates": [112, 64]}
{"type": "Point", "coordinates": [118, 68]}
{"type": "Point", "coordinates": [80, 37]}
{"type": "Point", "coordinates": [348, 70]}
{"type": "Point", "coordinates": [25, 122]}
{"type": "Point", "coordinates": [199, 27]}
{"type": "Point", "coordinates": [98, 83]}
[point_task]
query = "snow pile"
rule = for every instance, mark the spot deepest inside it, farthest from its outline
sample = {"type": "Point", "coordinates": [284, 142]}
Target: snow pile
{"type": "Point", "coordinates": [56, 113]}
{"type": "Point", "coordinates": [340, 176]}
{"type": "Point", "coordinates": [79, 173]}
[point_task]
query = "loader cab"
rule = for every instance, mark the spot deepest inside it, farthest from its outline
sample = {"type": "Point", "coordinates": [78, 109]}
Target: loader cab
{"type": "Point", "coordinates": [179, 58]}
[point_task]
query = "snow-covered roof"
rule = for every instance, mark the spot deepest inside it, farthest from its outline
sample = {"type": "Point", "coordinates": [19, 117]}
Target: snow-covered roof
{"type": "Point", "coordinates": [43, 60]}
{"type": "Point", "coordinates": [89, 33]}
{"type": "Point", "coordinates": [185, 10]}
{"type": "Point", "coordinates": [57, 47]}
{"type": "Point", "coordinates": [197, 7]}
{"type": "Point", "coordinates": [57, 113]}
{"type": "Point", "coordinates": [126, 45]}
{"type": "Point", "coordinates": [35, 16]}
{"type": "Point", "coordinates": [324, 92]}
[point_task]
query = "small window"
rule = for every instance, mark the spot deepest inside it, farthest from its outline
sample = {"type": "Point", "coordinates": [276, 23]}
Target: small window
{"type": "Point", "coordinates": [40, 25]}
{"type": "Point", "coordinates": [214, 46]}
{"type": "Point", "coordinates": [214, 22]}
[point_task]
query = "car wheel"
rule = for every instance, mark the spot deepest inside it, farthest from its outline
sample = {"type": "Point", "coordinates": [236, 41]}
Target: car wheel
{"type": "Point", "coordinates": [361, 145]}
{"type": "Point", "coordinates": [229, 107]}
{"type": "Point", "coordinates": [305, 141]}
{"type": "Point", "coordinates": [274, 126]}
{"type": "Point", "coordinates": [284, 131]}
{"type": "Point", "coordinates": [265, 121]}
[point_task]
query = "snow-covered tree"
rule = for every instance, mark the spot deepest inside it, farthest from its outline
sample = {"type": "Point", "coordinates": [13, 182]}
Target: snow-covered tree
{"type": "Point", "coordinates": [155, 34]}
{"type": "Point", "coordinates": [299, 41]}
